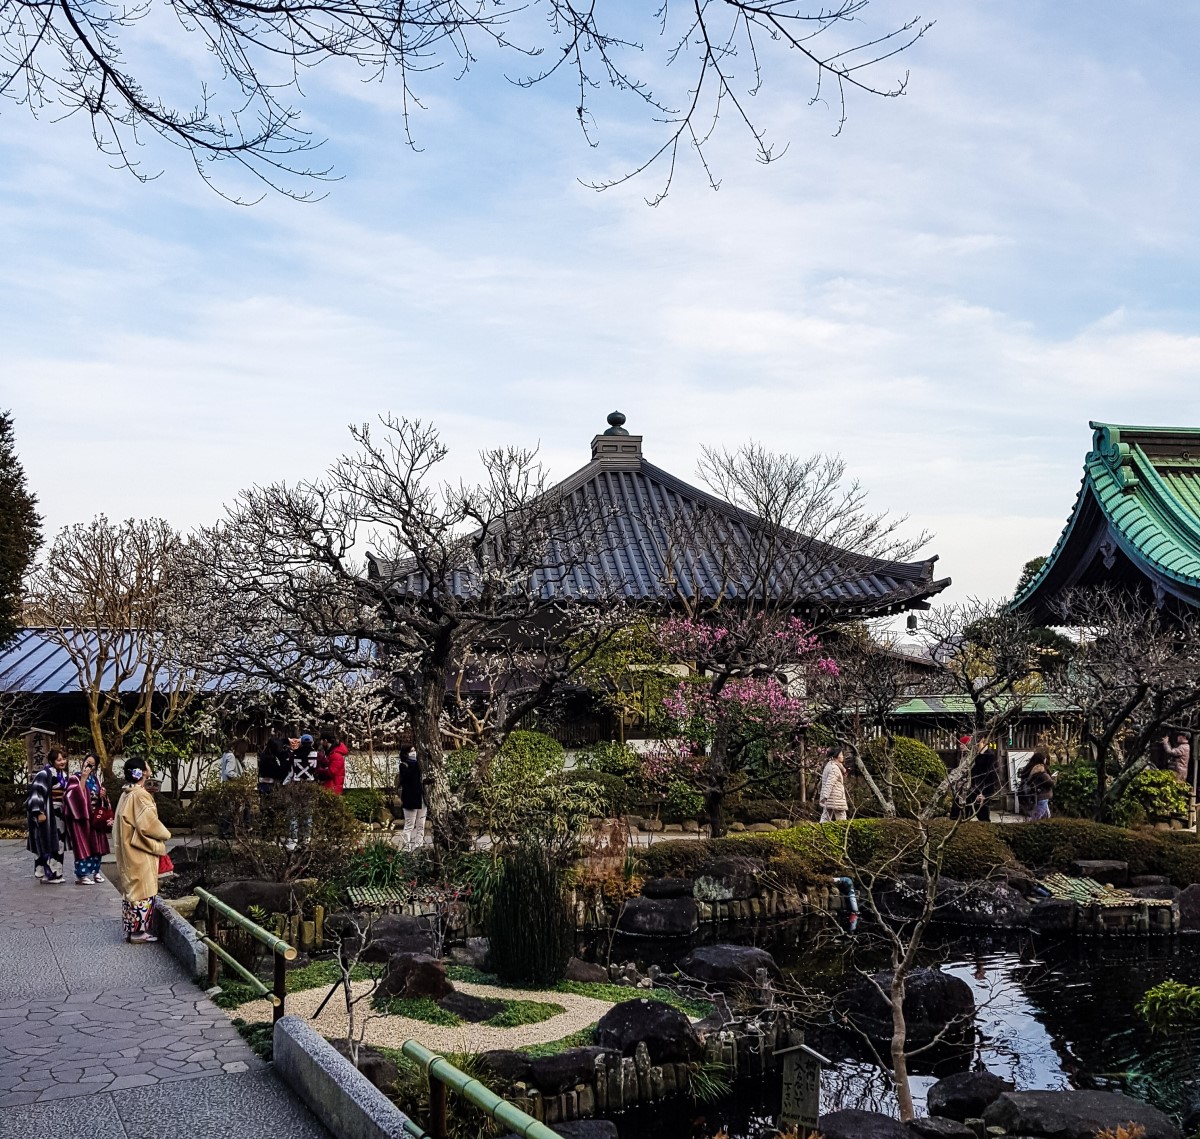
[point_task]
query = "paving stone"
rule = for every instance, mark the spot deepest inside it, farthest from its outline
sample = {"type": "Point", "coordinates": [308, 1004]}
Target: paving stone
{"type": "Point", "coordinates": [96, 1117]}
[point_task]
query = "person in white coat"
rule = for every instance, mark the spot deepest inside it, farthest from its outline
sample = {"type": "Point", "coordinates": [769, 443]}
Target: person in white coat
{"type": "Point", "coordinates": [832, 795]}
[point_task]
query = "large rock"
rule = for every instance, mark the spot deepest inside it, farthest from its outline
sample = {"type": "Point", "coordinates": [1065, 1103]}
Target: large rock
{"type": "Point", "coordinates": [1075, 1115]}
{"type": "Point", "coordinates": [855, 1124]}
{"type": "Point", "coordinates": [728, 965]}
{"type": "Point", "coordinates": [1054, 915]}
{"type": "Point", "coordinates": [667, 888]}
{"type": "Point", "coordinates": [938, 1127]}
{"type": "Point", "coordinates": [659, 917]}
{"type": "Point", "coordinates": [586, 971]}
{"type": "Point", "coordinates": [995, 905]}
{"type": "Point", "coordinates": [1189, 907]}
{"type": "Point", "coordinates": [374, 1065]}
{"type": "Point", "coordinates": [668, 1034]}
{"type": "Point", "coordinates": [1166, 893]}
{"type": "Point", "coordinates": [965, 1095]}
{"type": "Point", "coordinates": [474, 953]}
{"type": "Point", "coordinates": [561, 1072]}
{"type": "Point", "coordinates": [272, 897]}
{"type": "Point", "coordinates": [728, 879]}
{"type": "Point", "coordinates": [934, 1002]}
{"type": "Point", "coordinates": [507, 1066]}
{"type": "Point", "coordinates": [1111, 871]}
{"type": "Point", "coordinates": [391, 934]}
{"type": "Point", "coordinates": [412, 975]}
{"type": "Point", "coordinates": [471, 1008]}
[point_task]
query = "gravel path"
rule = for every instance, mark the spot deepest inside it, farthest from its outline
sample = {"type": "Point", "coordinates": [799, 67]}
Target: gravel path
{"type": "Point", "coordinates": [392, 1031]}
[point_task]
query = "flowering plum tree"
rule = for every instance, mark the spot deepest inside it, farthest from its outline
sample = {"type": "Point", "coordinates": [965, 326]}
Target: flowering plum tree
{"type": "Point", "coordinates": [757, 679]}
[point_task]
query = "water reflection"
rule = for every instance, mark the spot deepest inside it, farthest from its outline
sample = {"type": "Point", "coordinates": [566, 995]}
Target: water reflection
{"type": "Point", "coordinates": [1051, 1015]}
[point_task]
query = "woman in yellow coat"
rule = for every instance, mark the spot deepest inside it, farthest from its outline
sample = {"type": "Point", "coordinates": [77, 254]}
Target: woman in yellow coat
{"type": "Point", "coordinates": [139, 841]}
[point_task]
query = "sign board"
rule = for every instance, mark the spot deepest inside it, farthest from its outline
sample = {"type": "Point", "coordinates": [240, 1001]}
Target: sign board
{"type": "Point", "coordinates": [37, 748]}
{"type": "Point", "coordinates": [801, 1104]}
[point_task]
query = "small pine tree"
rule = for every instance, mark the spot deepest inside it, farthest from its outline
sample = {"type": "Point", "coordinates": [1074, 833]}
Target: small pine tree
{"type": "Point", "coordinates": [530, 931]}
{"type": "Point", "coordinates": [20, 530]}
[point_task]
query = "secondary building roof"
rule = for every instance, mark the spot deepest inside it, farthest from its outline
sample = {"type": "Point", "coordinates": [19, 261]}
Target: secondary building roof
{"type": "Point", "coordinates": [1136, 521]}
{"type": "Point", "coordinates": [661, 538]}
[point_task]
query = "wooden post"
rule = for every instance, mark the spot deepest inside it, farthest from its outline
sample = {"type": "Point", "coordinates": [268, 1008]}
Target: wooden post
{"type": "Point", "coordinates": [294, 930]}
{"type": "Point", "coordinates": [308, 935]}
{"type": "Point", "coordinates": [214, 962]}
{"type": "Point", "coordinates": [439, 1120]}
{"type": "Point", "coordinates": [319, 923]}
{"type": "Point", "coordinates": [280, 986]}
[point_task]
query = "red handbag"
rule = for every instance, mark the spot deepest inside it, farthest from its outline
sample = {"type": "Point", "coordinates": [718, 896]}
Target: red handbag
{"type": "Point", "coordinates": [102, 817]}
{"type": "Point", "coordinates": [165, 865]}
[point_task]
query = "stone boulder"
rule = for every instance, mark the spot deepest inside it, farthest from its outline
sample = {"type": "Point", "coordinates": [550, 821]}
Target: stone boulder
{"type": "Point", "coordinates": [374, 1065]}
{"type": "Point", "coordinates": [728, 965]}
{"type": "Point", "coordinates": [937, 1127]}
{"type": "Point", "coordinates": [965, 1095]}
{"type": "Point", "coordinates": [473, 953]}
{"type": "Point", "coordinates": [1166, 893]}
{"type": "Point", "coordinates": [586, 971]}
{"type": "Point", "coordinates": [470, 1008]}
{"type": "Point", "coordinates": [273, 897]}
{"type": "Point", "coordinates": [1189, 907]}
{"type": "Point", "coordinates": [410, 975]}
{"type": "Point", "coordinates": [1075, 1115]}
{"type": "Point", "coordinates": [994, 905]}
{"type": "Point", "coordinates": [728, 879]}
{"type": "Point", "coordinates": [1054, 915]}
{"type": "Point", "coordinates": [391, 934]}
{"type": "Point", "coordinates": [668, 1034]}
{"type": "Point", "coordinates": [1110, 871]}
{"type": "Point", "coordinates": [855, 1124]}
{"type": "Point", "coordinates": [561, 1072]}
{"type": "Point", "coordinates": [667, 888]}
{"type": "Point", "coordinates": [506, 1065]}
{"type": "Point", "coordinates": [1149, 880]}
{"type": "Point", "coordinates": [659, 917]}
{"type": "Point", "coordinates": [933, 1002]}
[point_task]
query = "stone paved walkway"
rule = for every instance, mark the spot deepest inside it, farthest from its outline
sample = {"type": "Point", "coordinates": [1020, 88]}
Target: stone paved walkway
{"type": "Point", "coordinates": [111, 1041]}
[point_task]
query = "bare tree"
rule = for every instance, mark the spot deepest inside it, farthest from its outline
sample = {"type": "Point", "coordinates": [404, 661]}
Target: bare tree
{"type": "Point", "coordinates": [477, 603]}
{"type": "Point", "coordinates": [990, 659]}
{"type": "Point", "coordinates": [102, 593]}
{"type": "Point", "coordinates": [756, 587]}
{"type": "Point", "coordinates": [714, 56]}
{"type": "Point", "coordinates": [1134, 675]}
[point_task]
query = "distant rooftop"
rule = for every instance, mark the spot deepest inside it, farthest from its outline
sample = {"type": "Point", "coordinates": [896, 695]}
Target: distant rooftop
{"type": "Point", "coordinates": [1135, 522]}
{"type": "Point", "coordinates": [641, 510]}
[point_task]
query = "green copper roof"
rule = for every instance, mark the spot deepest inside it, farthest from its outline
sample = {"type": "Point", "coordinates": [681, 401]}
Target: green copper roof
{"type": "Point", "coordinates": [1042, 703]}
{"type": "Point", "coordinates": [1141, 498]}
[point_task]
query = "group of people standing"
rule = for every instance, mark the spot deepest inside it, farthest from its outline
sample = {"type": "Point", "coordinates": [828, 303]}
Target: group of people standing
{"type": "Point", "coordinates": [302, 759]}
{"type": "Point", "coordinates": [71, 811]}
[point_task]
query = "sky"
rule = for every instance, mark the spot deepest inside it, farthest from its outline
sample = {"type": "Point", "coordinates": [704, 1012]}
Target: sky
{"type": "Point", "coordinates": [945, 293]}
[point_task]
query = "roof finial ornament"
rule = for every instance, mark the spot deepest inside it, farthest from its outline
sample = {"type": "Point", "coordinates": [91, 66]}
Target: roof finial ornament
{"type": "Point", "coordinates": [616, 421]}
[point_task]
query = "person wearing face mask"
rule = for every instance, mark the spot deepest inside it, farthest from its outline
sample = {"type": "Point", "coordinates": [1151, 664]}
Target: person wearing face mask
{"type": "Point", "coordinates": [412, 800]}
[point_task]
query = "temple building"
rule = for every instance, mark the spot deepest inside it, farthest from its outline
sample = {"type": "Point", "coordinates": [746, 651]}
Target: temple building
{"type": "Point", "coordinates": [1135, 524]}
{"type": "Point", "coordinates": [654, 539]}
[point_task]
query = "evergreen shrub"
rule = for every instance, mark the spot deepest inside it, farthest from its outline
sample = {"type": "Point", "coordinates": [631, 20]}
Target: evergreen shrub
{"type": "Point", "coordinates": [611, 791]}
{"type": "Point", "coordinates": [364, 803]}
{"type": "Point", "coordinates": [531, 934]}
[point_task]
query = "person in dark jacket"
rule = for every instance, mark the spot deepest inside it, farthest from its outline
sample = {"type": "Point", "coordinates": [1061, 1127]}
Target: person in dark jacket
{"type": "Point", "coordinates": [43, 808]}
{"type": "Point", "coordinates": [971, 793]}
{"type": "Point", "coordinates": [412, 799]}
{"type": "Point", "coordinates": [274, 761]}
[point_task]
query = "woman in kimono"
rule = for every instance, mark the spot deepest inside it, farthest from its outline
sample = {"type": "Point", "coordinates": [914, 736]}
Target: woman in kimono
{"type": "Point", "coordinates": [86, 834]}
{"type": "Point", "coordinates": [140, 841]}
{"type": "Point", "coordinates": [42, 807]}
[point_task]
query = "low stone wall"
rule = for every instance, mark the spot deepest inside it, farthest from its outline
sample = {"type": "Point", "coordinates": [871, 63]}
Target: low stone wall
{"type": "Point", "coordinates": [336, 1092]}
{"type": "Point", "coordinates": [182, 940]}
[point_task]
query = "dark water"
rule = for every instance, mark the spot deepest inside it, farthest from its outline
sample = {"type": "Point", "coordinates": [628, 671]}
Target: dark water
{"type": "Point", "coordinates": [1051, 1015]}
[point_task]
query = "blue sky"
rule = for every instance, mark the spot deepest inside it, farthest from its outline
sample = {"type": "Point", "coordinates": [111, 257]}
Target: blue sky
{"type": "Point", "coordinates": [945, 294]}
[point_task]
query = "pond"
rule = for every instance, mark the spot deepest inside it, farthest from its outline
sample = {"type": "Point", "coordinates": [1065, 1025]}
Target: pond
{"type": "Point", "coordinates": [1051, 1015]}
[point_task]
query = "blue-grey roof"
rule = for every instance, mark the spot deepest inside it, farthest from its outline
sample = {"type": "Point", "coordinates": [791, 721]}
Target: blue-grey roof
{"type": "Point", "coordinates": [639, 511]}
{"type": "Point", "coordinates": [32, 662]}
